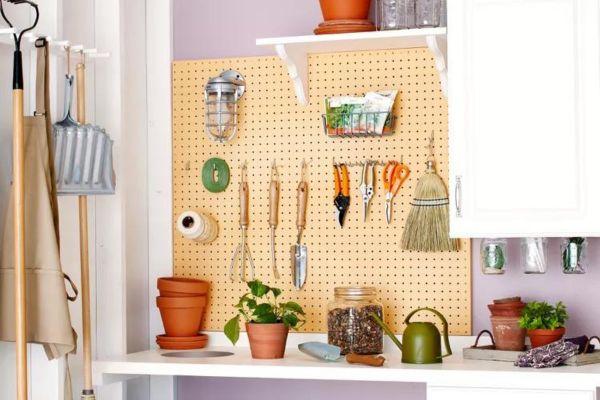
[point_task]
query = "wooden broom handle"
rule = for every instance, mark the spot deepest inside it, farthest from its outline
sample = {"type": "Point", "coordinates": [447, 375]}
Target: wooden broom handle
{"type": "Point", "coordinates": [80, 73]}
{"type": "Point", "coordinates": [19, 245]}
{"type": "Point", "coordinates": [84, 252]}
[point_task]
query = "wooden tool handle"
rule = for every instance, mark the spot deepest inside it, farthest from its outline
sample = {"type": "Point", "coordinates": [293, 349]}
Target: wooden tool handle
{"type": "Point", "coordinates": [302, 203]}
{"type": "Point", "coordinates": [244, 204]}
{"type": "Point", "coordinates": [372, 361]}
{"type": "Point", "coordinates": [80, 72]}
{"type": "Point", "coordinates": [273, 203]}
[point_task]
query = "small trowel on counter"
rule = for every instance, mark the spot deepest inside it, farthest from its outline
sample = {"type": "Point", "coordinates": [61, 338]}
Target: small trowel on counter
{"type": "Point", "coordinates": [328, 352]}
{"type": "Point", "coordinates": [299, 250]}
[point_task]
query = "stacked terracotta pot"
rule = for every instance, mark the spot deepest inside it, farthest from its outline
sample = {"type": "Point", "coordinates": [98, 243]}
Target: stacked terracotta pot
{"type": "Point", "coordinates": [345, 16]}
{"type": "Point", "coordinates": [508, 334]}
{"type": "Point", "coordinates": [181, 303]}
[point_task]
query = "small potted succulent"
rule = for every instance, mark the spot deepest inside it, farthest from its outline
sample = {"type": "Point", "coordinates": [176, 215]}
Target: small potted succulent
{"type": "Point", "coordinates": [268, 320]}
{"type": "Point", "coordinates": [544, 323]}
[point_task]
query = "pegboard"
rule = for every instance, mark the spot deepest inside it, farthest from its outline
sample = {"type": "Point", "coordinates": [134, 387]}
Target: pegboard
{"type": "Point", "coordinates": [273, 127]}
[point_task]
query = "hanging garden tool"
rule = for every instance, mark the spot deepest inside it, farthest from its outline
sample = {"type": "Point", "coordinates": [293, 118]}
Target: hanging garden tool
{"type": "Point", "coordinates": [274, 188]}
{"type": "Point", "coordinates": [242, 249]}
{"type": "Point", "coordinates": [342, 192]}
{"type": "Point", "coordinates": [394, 176]}
{"type": "Point", "coordinates": [299, 250]}
{"type": "Point", "coordinates": [366, 186]}
{"type": "Point", "coordinates": [20, 307]}
{"type": "Point", "coordinates": [82, 152]}
{"type": "Point", "coordinates": [427, 226]}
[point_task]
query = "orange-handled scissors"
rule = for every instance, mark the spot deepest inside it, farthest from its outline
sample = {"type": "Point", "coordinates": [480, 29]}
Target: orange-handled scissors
{"type": "Point", "coordinates": [394, 176]}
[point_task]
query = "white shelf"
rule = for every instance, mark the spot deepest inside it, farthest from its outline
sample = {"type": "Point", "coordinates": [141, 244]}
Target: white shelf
{"type": "Point", "coordinates": [294, 50]}
{"type": "Point", "coordinates": [454, 371]}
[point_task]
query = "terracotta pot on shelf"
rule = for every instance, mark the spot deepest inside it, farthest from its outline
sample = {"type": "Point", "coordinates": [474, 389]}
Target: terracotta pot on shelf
{"type": "Point", "coordinates": [514, 309]}
{"type": "Point", "coordinates": [508, 334]}
{"type": "Point", "coordinates": [267, 341]}
{"type": "Point", "coordinates": [542, 337]}
{"type": "Point", "coordinates": [182, 287]}
{"type": "Point", "coordinates": [181, 316]}
{"type": "Point", "coordinates": [345, 9]}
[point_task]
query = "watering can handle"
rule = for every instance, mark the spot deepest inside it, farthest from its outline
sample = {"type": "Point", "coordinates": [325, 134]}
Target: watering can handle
{"type": "Point", "coordinates": [444, 324]}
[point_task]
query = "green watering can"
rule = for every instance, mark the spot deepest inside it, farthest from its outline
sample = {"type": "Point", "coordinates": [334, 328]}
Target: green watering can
{"type": "Point", "coordinates": [422, 340]}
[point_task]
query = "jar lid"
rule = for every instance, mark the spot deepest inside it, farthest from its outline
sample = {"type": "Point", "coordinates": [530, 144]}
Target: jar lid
{"type": "Point", "coordinates": [355, 293]}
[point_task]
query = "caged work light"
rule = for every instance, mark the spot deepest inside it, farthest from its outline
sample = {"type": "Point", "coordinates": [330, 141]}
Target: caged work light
{"type": "Point", "coordinates": [221, 95]}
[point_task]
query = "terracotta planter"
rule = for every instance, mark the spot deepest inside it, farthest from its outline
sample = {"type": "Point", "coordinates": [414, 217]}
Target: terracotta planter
{"type": "Point", "coordinates": [542, 337]}
{"type": "Point", "coordinates": [182, 287]}
{"type": "Point", "coordinates": [514, 309]}
{"type": "Point", "coordinates": [345, 9]}
{"type": "Point", "coordinates": [181, 316]}
{"type": "Point", "coordinates": [508, 335]}
{"type": "Point", "coordinates": [267, 341]}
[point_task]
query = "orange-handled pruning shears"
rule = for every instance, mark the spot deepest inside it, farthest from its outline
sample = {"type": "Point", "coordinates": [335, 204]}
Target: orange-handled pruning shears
{"type": "Point", "coordinates": [394, 176]}
{"type": "Point", "coordinates": [342, 191]}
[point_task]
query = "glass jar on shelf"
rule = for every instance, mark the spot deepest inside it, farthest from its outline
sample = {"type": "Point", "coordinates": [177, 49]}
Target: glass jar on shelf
{"type": "Point", "coordinates": [395, 14]}
{"type": "Point", "coordinates": [350, 325]}
{"type": "Point", "coordinates": [534, 255]}
{"type": "Point", "coordinates": [427, 13]}
{"type": "Point", "coordinates": [493, 256]}
{"type": "Point", "coordinates": [573, 252]}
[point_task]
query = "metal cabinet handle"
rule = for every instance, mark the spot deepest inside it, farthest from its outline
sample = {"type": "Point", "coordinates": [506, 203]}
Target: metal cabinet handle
{"type": "Point", "coordinates": [458, 197]}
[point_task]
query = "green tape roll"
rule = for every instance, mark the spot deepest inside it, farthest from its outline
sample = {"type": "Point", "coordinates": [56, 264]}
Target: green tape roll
{"type": "Point", "coordinates": [215, 175]}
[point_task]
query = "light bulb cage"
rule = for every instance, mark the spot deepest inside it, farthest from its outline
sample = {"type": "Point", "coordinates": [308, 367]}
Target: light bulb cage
{"type": "Point", "coordinates": [221, 97]}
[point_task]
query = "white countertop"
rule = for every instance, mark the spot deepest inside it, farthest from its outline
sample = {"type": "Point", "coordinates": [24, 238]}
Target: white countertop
{"type": "Point", "coordinates": [454, 371]}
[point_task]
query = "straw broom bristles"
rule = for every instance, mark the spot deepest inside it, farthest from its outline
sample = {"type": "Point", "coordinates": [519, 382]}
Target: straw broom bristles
{"type": "Point", "coordinates": [427, 226]}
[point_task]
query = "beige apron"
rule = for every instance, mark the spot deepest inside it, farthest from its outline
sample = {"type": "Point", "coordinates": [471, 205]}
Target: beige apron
{"type": "Point", "coordinates": [48, 318]}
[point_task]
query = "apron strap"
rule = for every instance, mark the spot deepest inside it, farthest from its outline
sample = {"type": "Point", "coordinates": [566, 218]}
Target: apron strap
{"type": "Point", "coordinates": [73, 287]}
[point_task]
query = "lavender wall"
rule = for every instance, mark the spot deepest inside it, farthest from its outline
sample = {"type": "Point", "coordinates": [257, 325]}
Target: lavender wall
{"type": "Point", "coordinates": [201, 30]}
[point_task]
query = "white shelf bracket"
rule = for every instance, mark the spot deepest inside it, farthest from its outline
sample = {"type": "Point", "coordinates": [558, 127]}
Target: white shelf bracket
{"type": "Point", "coordinates": [296, 62]}
{"type": "Point", "coordinates": [438, 45]}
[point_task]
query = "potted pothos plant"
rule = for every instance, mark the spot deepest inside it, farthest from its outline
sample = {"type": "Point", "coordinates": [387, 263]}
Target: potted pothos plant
{"type": "Point", "coordinates": [268, 320]}
{"type": "Point", "coordinates": [545, 323]}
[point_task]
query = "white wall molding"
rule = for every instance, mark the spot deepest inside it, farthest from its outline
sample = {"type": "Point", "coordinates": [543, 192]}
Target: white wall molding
{"type": "Point", "coordinates": [160, 242]}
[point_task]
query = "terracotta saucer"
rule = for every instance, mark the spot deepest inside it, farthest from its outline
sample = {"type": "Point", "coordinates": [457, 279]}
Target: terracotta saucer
{"type": "Point", "coordinates": [340, 22]}
{"type": "Point", "coordinates": [174, 339]}
{"type": "Point", "coordinates": [343, 29]}
{"type": "Point", "coordinates": [195, 342]}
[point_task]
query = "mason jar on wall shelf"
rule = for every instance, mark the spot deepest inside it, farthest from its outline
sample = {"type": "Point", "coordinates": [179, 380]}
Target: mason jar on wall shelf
{"type": "Point", "coordinates": [534, 255]}
{"type": "Point", "coordinates": [573, 252]}
{"type": "Point", "coordinates": [493, 256]}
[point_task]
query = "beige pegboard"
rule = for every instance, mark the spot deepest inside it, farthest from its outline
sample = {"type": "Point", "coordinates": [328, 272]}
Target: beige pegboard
{"type": "Point", "coordinates": [273, 126]}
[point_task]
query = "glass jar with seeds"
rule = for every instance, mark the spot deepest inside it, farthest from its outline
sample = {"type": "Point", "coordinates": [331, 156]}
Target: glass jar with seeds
{"type": "Point", "coordinates": [493, 256]}
{"type": "Point", "coordinates": [350, 324]}
{"type": "Point", "coordinates": [573, 255]}
{"type": "Point", "coordinates": [534, 255]}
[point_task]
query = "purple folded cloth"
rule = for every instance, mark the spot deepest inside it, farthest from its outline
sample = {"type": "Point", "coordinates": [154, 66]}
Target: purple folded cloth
{"type": "Point", "coordinates": [550, 355]}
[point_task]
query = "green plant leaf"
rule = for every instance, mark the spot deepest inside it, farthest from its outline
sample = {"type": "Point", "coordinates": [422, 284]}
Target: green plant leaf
{"type": "Point", "coordinates": [232, 329]}
{"type": "Point", "coordinates": [267, 318]}
{"type": "Point", "coordinates": [262, 309]}
{"type": "Point", "coordinates": [251, 304]}
{"type": "Point", "coordinates": [290, 320]}
{"type": "Point", "coordinates": [293, 306]}
{"type": "Point", "coordinates": [257, 288]}
{"type": "Point", "coordinates": [243, 300]}
{"type": "Point", "coordinates": [276, 292]}
{"type": "Point", "coordinates": [541, 315]}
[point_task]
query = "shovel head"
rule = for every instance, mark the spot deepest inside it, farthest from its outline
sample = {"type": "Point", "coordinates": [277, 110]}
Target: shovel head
{"type": "Point", "coordinates": [299, 261]}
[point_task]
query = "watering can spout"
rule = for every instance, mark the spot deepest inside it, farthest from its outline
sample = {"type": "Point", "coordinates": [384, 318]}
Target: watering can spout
{"type": "Point", "coordinates": [387, 330]}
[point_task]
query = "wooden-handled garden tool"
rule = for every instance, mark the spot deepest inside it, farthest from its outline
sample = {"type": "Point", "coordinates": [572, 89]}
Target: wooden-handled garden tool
{"type": "Point", "coordinates": [242, 249]}
{"type": "Point", "coordinates": [19, 207]}
{"type": "Point", "coordinates": [274, 188]}
{"type": "Point", "coordinates": [299, 250]}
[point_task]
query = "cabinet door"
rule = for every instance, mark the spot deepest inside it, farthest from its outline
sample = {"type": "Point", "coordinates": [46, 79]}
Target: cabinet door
{"type": "Point", "coordinates": [446, 393]}
{"type": "Point", "coordinates": [524, 107]}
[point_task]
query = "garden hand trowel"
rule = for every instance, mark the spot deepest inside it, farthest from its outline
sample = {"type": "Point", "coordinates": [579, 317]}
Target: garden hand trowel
{"type": "Point", "coordinates": [300, 251]}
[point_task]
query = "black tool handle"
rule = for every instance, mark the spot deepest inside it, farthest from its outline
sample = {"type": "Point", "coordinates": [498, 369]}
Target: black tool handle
{"type": "Point", "coordinates": [17, 70]}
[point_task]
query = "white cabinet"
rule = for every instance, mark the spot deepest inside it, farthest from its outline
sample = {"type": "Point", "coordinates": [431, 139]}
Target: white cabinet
{"type": "Point", "coordinates": [524, 110]}
{"type": "Point", "coordinates": [446, 393]}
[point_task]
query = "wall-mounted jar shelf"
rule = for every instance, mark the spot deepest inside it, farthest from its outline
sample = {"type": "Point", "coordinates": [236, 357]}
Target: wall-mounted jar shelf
{"type": "Point", "coordinates": [294, 50]}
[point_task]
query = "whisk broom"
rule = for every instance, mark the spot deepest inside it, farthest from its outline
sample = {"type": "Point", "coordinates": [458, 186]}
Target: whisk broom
{"type": "Point", "coordinates": [427, 225]}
